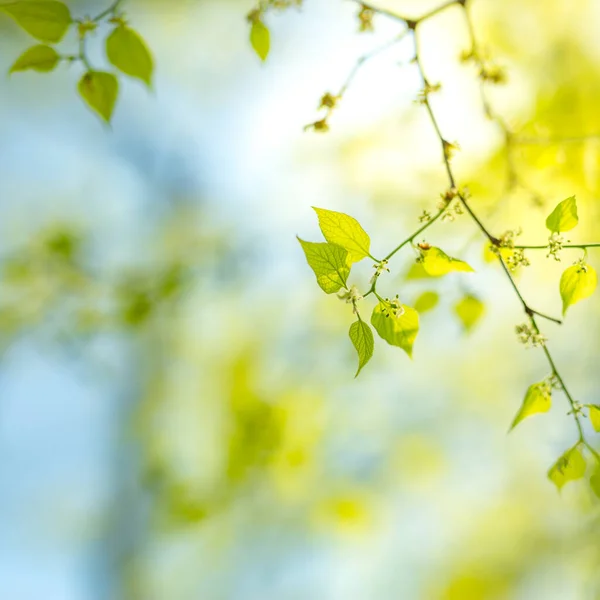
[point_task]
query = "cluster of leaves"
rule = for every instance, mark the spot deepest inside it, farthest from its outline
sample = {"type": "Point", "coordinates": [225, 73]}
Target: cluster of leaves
{"type": "Point", "coordinates": [398, 324]}
{"type": "Point", "coordinates": [49, 21]}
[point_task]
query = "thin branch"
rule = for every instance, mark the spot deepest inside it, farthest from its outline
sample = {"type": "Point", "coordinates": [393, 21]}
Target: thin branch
{"type": "Point", "coordinates": [531, 313]}
{"type": "Point", "coordinates": [110, 10]}
{"type": "Point", "coordinates": [367, 57]}
{"type": "Point", "coordinates": [510, 140]}
{"type": "Point", "coordinates": [555, 372]}
{"type": "Point", "coordinates": [564, 246]}
{"type": "Point", "coordinates": [439, 9]}
{"type": "Point", "coordinates": [418, 232]}
{"type": "Point", "coordinates": [409, 20]}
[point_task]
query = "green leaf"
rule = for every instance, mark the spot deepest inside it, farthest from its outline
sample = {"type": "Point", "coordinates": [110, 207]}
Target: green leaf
{"type": "Point", "coordinates": [127, 51]}
{"type": "Point", "coordinates": [329, 262]}
{"type": "Point", "coordinates": [577, 283]}
{"type": "Point", "coordinates": [260, 38]}
{"type": "Point", "coordinates": [47, 21]}
{"type": "Point", "coordinates": [100, 91]}
{"type": "Point", "coordinates": [398, 331]}
{"type": "Point", "coordinates": [426, 301]}
{"type": "Point", "coordinates": [37, 58]}
{"type": "Point", "coordinates": [594, 413]}
{"type": "Point", "coordinates": [437, 263]}
{"type": "Point", "coordinates": [362, 338]}
{"type": "Point", "coordinates": [538, 399]}
{"type": "Point", "coordinates": [569, 467]}
{"type": "Point", "coordinates": [469, 310]}
{"type": "Point", "coordinates": [345, 231]}
{"type": "Point", "coordinates": [595, 482]}
{"type": "Point", "coordinates": [564, 216]}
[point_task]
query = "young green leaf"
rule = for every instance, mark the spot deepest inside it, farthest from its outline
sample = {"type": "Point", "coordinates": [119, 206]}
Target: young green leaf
{"type": "Point", "coordinates": [397, 331]}
{"type": "Point", "coordinates": [594, 413]}
{"type": "Point", "coordinates": [564, 216]}
{"type": "Point", "coordinates": [426, 301]}
{"type": "Point", "coordinates": [469, 310]}
{"type": "Point", "coordinates": [127, 51]}
{"type": "Point", "coordinates": [45, 20]}
{"type": "Point", "coordinates": [569, 467]}
{"type": "Point", "coordinates": [538, 399]}
{"type": "Point", "coordinates": [260, 38]}
{"type": "Point", "coordinates": [437, 263]}
{"type": "Point", "coordinates": [577, 283]}
{"type": "Point", "coordinates": [100, 91]}
{"type": "Point", "coordinates": [362, 339]}
{"type": "Point", "coordinates": [329, 262]}
{"type": "Point", "coordinates": [595, 482]}
{"type": "Point", "coordinates": [37, 58]}
{"type": "Point", "coordinates": [345, 231]}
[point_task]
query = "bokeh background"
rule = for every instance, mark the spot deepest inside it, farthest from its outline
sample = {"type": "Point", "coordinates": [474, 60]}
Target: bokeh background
{"type": "Point", "coordinates": [178, 414]}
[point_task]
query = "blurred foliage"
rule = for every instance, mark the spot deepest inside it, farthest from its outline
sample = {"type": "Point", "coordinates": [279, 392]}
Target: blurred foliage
{"type": "Point", "coordinates": [264, 471]}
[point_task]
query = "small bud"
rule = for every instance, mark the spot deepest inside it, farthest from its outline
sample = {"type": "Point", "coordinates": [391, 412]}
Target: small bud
{"type": "Point", "coordinates": [321, 126]}
{"type": "Point", "coordinates": [365, 18]}
{"type": "Point", "coordinates": [328, 101]}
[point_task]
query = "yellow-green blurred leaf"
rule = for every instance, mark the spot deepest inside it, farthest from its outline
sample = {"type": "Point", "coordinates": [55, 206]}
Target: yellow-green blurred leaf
{"type": "Point", "coordinates": [47, 20]}
{"type": "Point", "coordinates": [595, 482]}
{"type": "Point", "coordinates": [416, 272]}
{"type": "Point", "coordinates": [564, 216]}
{"type": "Point", "coordinates": [469, 310]}
{"type": "Point", "coordinates": [345, 231]}
{"type": "Point", "coordinates": [362, 339]}
{"type": "Point", "coordinates": [260, 38]}
{"type": "Point", "coordinates": [538, 399]}
{"type": "Point", "coordinates": [329, 262]}
{"type": "Point", "coordinates": [594, 412]}
{"type": "Point", "coordinates": [577, 283]}
{"type": "Point", "coordinates": [37, 58]}
{"type": "Point", "coordinates": [100, 91]}
{"type": "Point", "coordinates": [437, 263]}
{"type": "Point", "coordinates": [426, 301]}
{"type": "Point", "coordinates": [127, 51]}
{"type": "Point", "coordinates": [569, 467]}
{"type": "Point", "coordinates": [398, 331]}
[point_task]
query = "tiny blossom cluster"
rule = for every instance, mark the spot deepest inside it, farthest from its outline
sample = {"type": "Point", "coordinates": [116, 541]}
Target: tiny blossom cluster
{"type": "Point", "coordinates": [320, 126]}
{"type": "Point", "coordinates": [425, 217]}
{"type": "Point", "coordinates": [517, 259]}
{"type": "Point", "coordinates": [528, 336]}
{"type": "Point", "coordinates": [393, 308]}
{"type": "Point", "coordinates": [507, 239]}
{"type": "Point", "coordinates": [379, 269]}
{"type": "Point", "coordinates": [555, 245]}
{"type": "Point", "coordinates": [447, 197]}
{"type": "Point", "coordinates": [489, 71]}
{"type": "Point", "coordinates": [582, 266]}
{"type": "Point", "coordinates": [351, 296]}
{"type": "Point", "coordinates": [328, 102]}
{"type": "Point", "coordinates": [551, 382]}
{"type": "Point", "coordinates": [454, 211]}
{"type": "Point", "coordinates": [429, 88]}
